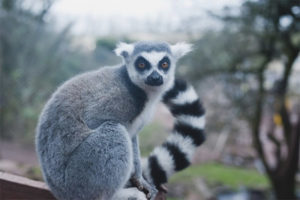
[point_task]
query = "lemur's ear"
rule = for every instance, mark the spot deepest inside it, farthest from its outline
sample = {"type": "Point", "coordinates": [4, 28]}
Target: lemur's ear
{"type": "Point", "coordinates": [124, 50]}
{"type": "Point", "coordinates": [180, 49]}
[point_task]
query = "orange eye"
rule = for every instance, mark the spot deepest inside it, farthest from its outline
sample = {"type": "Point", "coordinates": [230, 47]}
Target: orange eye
{"type": "Point", "coordinates": [141, 65]}
{"type": "Point", "coordinates": [165, 65]}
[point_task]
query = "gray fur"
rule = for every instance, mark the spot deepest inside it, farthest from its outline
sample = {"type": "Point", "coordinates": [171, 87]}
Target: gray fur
{"type": "Point", "coordinates": [150, 46]}
{"type": "Point", "coordinates": [72, 139]}
{"type": "Point", "coordinates": [87, 132]}
{"type": "Point", "coordinates": [136, 156]}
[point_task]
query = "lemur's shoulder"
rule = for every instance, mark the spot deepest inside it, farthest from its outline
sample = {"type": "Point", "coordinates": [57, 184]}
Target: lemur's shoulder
{"type": "Point", "coordinates": [111, 80]}
{"type": "Point", "coordinates": [104, 94]}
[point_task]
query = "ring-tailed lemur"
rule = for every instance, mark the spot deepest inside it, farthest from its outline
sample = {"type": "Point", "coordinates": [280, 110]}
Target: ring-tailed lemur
{"type": "Point", "coordinates": [177, 151]}
{"type": "Point", "coordinates": [87, 139]}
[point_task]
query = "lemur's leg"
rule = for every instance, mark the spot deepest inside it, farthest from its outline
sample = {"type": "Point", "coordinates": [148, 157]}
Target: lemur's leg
{"type": "Point", "coordinates": [101, 165]}
{"type": "Point", "coordinates": [137, 169]}
{"type": "Point", "coordinates": [177, 151]}
{"type": "Point", "coordinates": [137, 179]}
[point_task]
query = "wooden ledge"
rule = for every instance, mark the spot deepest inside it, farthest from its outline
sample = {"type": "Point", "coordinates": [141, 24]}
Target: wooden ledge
{"type": "Point", "coordinates": [14, 187]}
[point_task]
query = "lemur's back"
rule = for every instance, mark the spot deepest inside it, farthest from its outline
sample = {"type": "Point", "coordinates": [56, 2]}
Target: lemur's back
{"type": "Point", "coordinates": [94, 97]}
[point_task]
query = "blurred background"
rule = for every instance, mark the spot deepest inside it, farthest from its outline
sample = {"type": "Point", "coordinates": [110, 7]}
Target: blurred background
{"type": "Point", "coordinates": [245, 67]}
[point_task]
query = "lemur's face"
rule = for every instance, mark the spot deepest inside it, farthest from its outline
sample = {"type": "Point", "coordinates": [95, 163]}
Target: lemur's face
{"type": "Point", "coordinates": [152, 70]}
{"type": "Point", "coordinates": [151, 66]}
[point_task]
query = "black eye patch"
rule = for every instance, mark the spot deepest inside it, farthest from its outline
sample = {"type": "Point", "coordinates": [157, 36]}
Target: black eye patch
{"type": "Point", "coordinates": [141, 64]}
{"type": "Point", "coordinates": [164, 64]}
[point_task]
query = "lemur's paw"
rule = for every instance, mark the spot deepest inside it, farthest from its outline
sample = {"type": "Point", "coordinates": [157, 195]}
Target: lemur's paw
{"type": "Point", "coordinates": [149, 190]}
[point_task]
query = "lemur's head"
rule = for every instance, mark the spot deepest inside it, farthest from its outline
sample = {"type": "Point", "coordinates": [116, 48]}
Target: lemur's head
{"type": "Point", "coordinates": [151, 65]}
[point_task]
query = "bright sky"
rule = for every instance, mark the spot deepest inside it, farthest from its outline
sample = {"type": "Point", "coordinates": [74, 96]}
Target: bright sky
{"type": "Point", "coordinates": [123, 16]}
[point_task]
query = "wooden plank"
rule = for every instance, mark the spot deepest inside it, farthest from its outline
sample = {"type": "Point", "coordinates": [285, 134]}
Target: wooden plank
{"type": "Point", "coordinates": [14, 187]}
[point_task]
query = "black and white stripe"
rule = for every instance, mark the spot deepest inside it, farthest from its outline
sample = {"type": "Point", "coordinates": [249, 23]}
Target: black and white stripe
{"type": "Point", "coordinates": [177, 151]}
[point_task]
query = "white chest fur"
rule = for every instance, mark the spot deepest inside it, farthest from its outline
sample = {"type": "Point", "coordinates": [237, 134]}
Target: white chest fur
{"type": "Point", "coordinates": [144, 117]}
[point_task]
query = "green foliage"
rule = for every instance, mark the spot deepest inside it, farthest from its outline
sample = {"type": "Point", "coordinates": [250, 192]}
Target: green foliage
{"type": "Point", "coordinates": [8, 4]}
{"type": "Point", "coordinates": [34, 61]}
{"type": "Point", "coordinates": [237, 54]}
{"type": "Point", "coordinates": [108, 43]}
{"type": "Point", "coordinates": [104, 49]}
{"type": "Point", "coordinates": [215, 173]}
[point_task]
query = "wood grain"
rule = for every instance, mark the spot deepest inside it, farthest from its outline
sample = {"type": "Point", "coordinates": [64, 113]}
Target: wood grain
{"type": "Point", "coordinates": [14, 187]}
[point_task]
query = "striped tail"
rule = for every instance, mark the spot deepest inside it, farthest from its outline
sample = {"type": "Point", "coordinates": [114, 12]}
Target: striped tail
{"type": "Point", "coordinates": [177, 151]}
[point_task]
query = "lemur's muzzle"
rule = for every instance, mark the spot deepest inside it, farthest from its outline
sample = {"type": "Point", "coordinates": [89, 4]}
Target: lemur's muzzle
{"type": "Point", "coordinates": [154, 79]}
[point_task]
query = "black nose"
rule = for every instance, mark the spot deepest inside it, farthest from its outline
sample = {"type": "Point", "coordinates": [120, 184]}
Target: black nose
{"type": "Point", "coordinates": [154, 79]}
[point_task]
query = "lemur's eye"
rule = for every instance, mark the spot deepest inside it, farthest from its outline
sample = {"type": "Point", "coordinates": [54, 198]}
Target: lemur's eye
{"type": "Point", "coordinates": [141, 65]}
{"type": "Point", "coordinates": [164, 65]}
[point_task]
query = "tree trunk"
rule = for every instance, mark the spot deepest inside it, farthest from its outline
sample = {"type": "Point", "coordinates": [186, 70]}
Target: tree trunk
{"type": "Point", "coordinates": [282, 177]}
{"type": "Point", "coordinates": [284, 187]}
